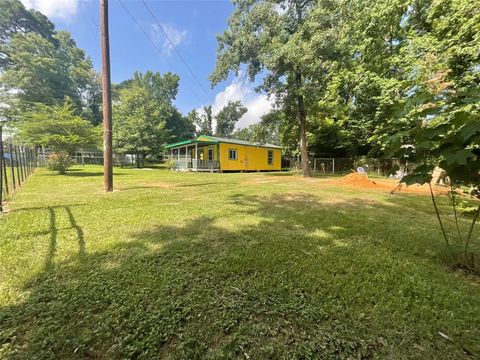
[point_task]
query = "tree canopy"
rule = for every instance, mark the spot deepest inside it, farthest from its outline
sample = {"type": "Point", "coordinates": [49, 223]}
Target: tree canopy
{"type": "Point", "coordinates": [139, 123]}
{"type": "Point", "coordinates": [227, 118]}
{"type": "Point", "coordinates": [267, 37]}
{"type": "Point", "coordinates": [57, 127]}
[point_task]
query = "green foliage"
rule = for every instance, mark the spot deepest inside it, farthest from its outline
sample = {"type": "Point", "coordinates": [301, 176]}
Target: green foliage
{"type": "Point", "coordinates": [267, 37]}
{"type": "Point", "coordinates": [42, 72]}
{"type": "Point", "coordinates": [204, 121]}
{"type": "Point", "coordinates": [266, 131]}
{"type": "Point", "coordinates": [59, 161]}
{"type": "Point", "coordinates": [228, 117]}
{"type": "Point", "coordinates": [180, 127]}
{"type": "Point", "coordinates": [139, 122]}
{"type": "Point", "coordinates": [16, 19]}
{"type": "Point", "coordinates": [57, 127]}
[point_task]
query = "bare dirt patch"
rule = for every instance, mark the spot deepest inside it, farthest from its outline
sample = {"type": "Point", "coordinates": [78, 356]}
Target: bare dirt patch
{"type": "Point", "coordinates": [359, 181]}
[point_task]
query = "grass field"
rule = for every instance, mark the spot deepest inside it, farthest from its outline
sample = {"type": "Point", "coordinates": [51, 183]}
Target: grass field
{"type": "Point", "coordinates": [252, 266]}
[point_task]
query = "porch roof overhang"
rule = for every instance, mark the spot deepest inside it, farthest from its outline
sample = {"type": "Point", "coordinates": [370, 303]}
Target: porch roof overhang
{"type": "Point", "coordinates": [189, 142]}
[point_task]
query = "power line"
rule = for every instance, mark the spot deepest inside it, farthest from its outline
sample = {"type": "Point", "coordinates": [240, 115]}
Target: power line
{"type": "Point", "coordinates": [148, 36]}
{"type": "Point", "coordinates": [177, 51]}
{"type": "Point", "coordinates": [154, 44]}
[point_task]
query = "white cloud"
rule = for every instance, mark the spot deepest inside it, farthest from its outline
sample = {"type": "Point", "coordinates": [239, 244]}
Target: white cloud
{"type": "Point", "coordinates": [257, 104]}
{"type": "Point", "coordinates": [55, 9]}
{"type": "Point", "coordinates": [177, 37]}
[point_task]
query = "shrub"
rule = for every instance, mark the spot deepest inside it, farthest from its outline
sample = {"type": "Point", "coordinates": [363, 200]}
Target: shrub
{"type": "Point", "coordinates": [59, 161]}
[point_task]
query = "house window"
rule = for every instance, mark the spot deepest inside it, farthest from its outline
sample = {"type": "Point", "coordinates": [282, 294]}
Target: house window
{"type": "Point", "coordinates": [270, 157]}
{"type": "Point", "coordinates": [210, 154]}
{"type": "Point", "coordinates": [232, 154]}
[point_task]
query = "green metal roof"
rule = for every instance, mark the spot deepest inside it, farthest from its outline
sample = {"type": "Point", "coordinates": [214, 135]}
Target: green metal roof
{"type": "Point", "coordinates": [240, 142]}
{"type": "Point", "coordinates": [188, 142]}
{"type": "Point", "coordinates": [216, 140]}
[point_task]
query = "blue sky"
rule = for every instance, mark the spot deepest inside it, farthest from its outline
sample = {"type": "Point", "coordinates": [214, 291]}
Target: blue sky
{"type": "Point", "coordinates": [191, 25]}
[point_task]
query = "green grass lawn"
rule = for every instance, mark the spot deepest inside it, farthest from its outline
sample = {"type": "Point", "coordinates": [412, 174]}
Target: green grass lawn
{"type": "Point", "coordinates": [182, 265]}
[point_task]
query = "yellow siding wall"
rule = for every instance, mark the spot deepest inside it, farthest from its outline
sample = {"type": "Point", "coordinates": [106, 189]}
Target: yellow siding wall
{"type": "Point", "coordinates": [204, 151]}
{"type": "Point", "coordinates": [250, 158]}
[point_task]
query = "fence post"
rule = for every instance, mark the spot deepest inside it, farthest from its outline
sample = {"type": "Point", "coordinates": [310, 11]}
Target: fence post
{"type": "Point", "coordinates": [12, 166]}
{"type": "Point", "coordinates": [17, 163]}
{"type": "Point", "coordinates": [27, 161]}
{"type": "Point", "coordinates": [1, 169]}
{"type": "Point", "coordinates": [333, 165]}
{"type": "Point", "coordinates": [22, 163]}
{"type": "Point", "coordinates": [5, 172]}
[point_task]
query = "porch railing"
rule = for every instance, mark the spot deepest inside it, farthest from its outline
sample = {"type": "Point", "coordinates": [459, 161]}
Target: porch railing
{"type": "Point", "coordinates": [187, 163]}
{"type": "Point", "coordinates": [205, 164]}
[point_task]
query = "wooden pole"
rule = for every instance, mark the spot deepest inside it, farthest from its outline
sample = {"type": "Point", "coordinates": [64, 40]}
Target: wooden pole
{"type": "Point", "coordinates": [106, 99]}
{"type": "Point", "coordinates": [17, 162]}
{"type": "Point", "coordinates": [5, 176]}
{"type": "Point", "coordinates": [20, 159]}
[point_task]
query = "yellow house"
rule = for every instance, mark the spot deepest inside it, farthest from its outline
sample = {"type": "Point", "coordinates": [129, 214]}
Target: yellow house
{"type": "Point", "coordinates": [211, 153]}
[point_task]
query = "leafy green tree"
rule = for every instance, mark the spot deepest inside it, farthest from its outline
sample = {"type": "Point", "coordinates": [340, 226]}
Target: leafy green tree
{"type": "Point", "coordinates": [16, 19]}
{"type": "Point", "coordinates": [41, 72]}
{"type": "Point", "coordinates": [180, 127]}
{"type": "Point", "coordinates": [228, 117]}
{"type": "Point", "coordinates": [204, 122]}
{"type": "Point", "coordinates": [162, 88]}
{"type": "Point", "coordinates": [57, 127]}
{"type": "Point", "coordinates": [93, 98]}
{"type": "Point", "coordinates": [438, 121]}
{"type": "Point", "coordinates": [267, 131]}
{"type": "Point", "coordinates": [139, 123]}
{"type": "Point", "coordinates": [268, 37]}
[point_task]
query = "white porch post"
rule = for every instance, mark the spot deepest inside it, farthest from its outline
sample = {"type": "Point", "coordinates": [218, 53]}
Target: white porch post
{"type": "Point", "coordinates": [196, 157]}
{"type": "Point", "coordinates": [178, 158]}
{"type": "Point", "coordinates": [186, 157]}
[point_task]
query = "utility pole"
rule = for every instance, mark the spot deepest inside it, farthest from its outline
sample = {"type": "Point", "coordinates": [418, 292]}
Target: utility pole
{"type": "Point", "coordinates": [106, 99]}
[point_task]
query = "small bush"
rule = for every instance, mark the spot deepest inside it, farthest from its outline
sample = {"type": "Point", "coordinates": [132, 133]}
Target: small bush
{"type": "Point", "coordinates": [170, 164]}
{"type": "Point", "coordinates": [60, 162]}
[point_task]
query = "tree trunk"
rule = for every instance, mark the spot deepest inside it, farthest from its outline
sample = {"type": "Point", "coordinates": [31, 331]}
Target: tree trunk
{"type": "Point", "coordinates": [302, 118]}
{"type": "Point", "coordinates": [137, 160]}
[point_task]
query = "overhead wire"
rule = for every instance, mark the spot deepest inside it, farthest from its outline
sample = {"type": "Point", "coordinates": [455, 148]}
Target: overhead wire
{"type": "Point", "coordinates": [154, 44]}
{"type": "Point", "coordinates": [178, 52]}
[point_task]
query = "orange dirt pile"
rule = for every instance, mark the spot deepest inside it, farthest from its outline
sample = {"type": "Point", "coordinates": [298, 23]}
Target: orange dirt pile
{"type": "Point", "coordinates": [357, 180]}
{"type": "Point", "coordinates": [360, 181]}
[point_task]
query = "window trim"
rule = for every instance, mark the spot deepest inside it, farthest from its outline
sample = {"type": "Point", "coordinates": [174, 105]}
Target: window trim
{"type": "Point", "coordinates": [270, 159]}
{"type": "Point", "coordinates": [210, 149]}
{"type": "Point", "coordinates": [236, 154]}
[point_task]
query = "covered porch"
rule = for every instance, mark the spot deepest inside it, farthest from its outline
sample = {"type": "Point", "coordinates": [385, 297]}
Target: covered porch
{"type": "Point", "coordinates": [193, 155]}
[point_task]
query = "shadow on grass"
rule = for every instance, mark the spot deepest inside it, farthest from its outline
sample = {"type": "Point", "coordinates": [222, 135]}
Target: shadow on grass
{"type": "Point", "coordinates": [306, 279]}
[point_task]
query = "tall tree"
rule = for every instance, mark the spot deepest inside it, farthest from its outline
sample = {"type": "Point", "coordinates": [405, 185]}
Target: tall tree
{"type": "Point", "coordinates": [162, 88]}
{"type": "Point", "coordinates": [228, 117]}
{"type": "Point", "coordinates": [180, 127]}
{"type": "Point", "coordinates": [268, 36]}
{"type": "Point", "coordinates": [41, 72]}
{"type": "Point", "coordinates": [16, 19]}
{"type": "Point", "coordinates": [139, 123]}
{"type": "Point", "coordinates": [204, 122]}
{"type": "Point", "coordinates": [57, 127]}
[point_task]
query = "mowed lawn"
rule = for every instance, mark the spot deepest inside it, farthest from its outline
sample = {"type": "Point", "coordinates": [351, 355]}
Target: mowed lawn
{"type": "Point", "coordinates": [252, 266]}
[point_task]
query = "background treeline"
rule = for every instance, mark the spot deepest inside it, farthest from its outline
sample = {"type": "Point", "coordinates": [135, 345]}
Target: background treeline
{"type": "Point", "coordinates": [349, 78]}
{"type": "Point", "coordinates": [361, 77]}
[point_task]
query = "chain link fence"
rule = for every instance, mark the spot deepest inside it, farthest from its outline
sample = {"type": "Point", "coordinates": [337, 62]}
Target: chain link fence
{"type": "Point", "coordinates": [380, 167]}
